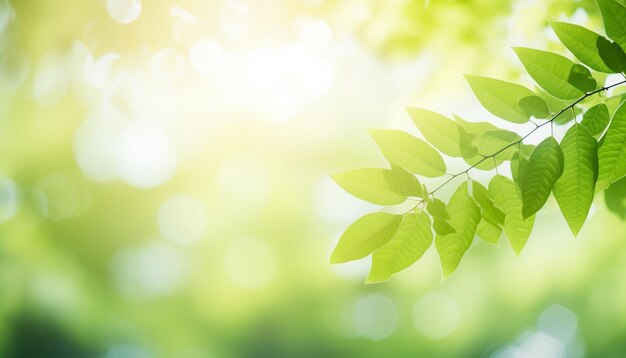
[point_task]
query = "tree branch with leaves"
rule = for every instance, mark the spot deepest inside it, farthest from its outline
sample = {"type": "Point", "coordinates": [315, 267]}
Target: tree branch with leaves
{"type": "Point", "coordinates": [590, 158]}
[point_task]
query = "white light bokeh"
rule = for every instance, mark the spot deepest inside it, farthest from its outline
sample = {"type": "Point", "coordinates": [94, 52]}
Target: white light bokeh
{"type": "Point", "coordinates": [51, 84]}
{"type": "Point", "coordinates": [559, 322]}
{"type": "Point", "coordinates": [146, 156]}
{"type": "Point", "coordinates": [233, 18]}
{"type": "Point", "coordinates": [250, 263]}
{"type": "Point", "coordinates": [57, 197]}
{"type": "Point", "coordinates": [182, 219]}
{"type": "Point", "coordinates": [152, 270]}
{"type": "Point", "coordinates": [9, 199]}
{"type": "Point", "coordinates": [374, 317]}
{"type": "Point", "coordinates": [436, 315]}
{"type": "Point", "coordinates": [167, 65]}
{"type": "Point", "coordinates": [124, 11]}
{"type": "Point", "coordinates": [314, 33]}
{"type": "Point", "coordinates": [206, 56]}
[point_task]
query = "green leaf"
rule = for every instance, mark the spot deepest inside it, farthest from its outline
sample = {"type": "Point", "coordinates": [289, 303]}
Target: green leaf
{"type": "Point", "coordinates": [542, 171]}
{"type": "Point", "coordinates": [488, 231]}
{"type": "Point", "coordinates": [596, 119]}
{"type": "Point", "coordinates": [509, 101]}
{"type": "Point", "coordinates": [556, 105]}
{"type": "Point", "coordinates": [556, 74]}
{"type": "Point", "coordinates": [442, 227]}
{"type": "Point", "coordinates": [438, 130]}
{"type": "Point", "coordinates": [437, 209]}
{"type": "Point", "coordinates": [574, 190]}
{"type": "Point", "coordinates": [505, 196]}
{"type": "Point", "coordinates": [492, 142]}
{"type": "Point", "coordinates": [489, 211]}
{"type": "Point", "coordinates": [407, 246]}
{"type": "Point", "coordinates": [612, 152]}
{"type": "Point", "coordinates": [364, 236]}
{"type": "Point", "coordinates": [615, 198]}
{"type": "Point", "coordinates": [593, 50]}
{"type": "Point", "coordinates": [464, 218]}
{"type": "Point", "coordinates": [519, 162]}
{"type": "Point", "coordinates": [474, 142]}
{"type": "Point", "coordinates": [408, 184]}
{"type": "Point", "coordinates": [466, 143]}
{"type": "Point", "coordinates": [378, 186]}
{"type": "Point", "coordinates": [614, 17]}
{"type": "Point", "coordinates": [406, 151]}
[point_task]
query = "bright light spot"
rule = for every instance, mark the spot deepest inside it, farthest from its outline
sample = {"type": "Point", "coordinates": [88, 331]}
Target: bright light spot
{"type": "Point", "coordinates": [50, 85]}
{"type": "Point", "coordinates": [9, 199]}
{"type": "Point", "coordinates": [95, 142]}
{"type": "Point", "coordinates": [333, 206]}
{"type": "Point", "coordinates": [182, 219]}
{"type": "Point", "coordinates": [14, 69]}
{"type": "Point", "coordinates": [244, 183]}
{"type": "Point", "coordinates": [250, 263]}
{"type": "Point", "coordinates": [167, 65]}
{"type": "Point", "coordinates": [206, 56]}
{"type": "Point", "coordinates": [145, 155]}
{"type": "Point", "coordinates": [57, 197]}
{"type": "Point", "coordinates": [542, 345]}
{"type": "Point", "coordinates": [180, 13]}
{"type": "Point", "coordinates": [124, 11]}
{"type": "Point", "coordinates": [436, 315]}
{"type": "Point", "coordinates": [559, 322]}
{"type": "Point", "coordinates": [232, 18]}
{"type": "Point", "coordinates": [314, 33]}
{"type": "Point", "coordinates": [374, 317]}
{"type": "Point", "coordinates": [307, 70]}
{"type": "Point", "coordinates": [153, 270]}
{"type": "Point", "coordinates": [98, 72]}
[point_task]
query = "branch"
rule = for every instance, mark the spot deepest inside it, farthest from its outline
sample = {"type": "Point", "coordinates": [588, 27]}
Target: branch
{"type": "Point", "coordinates": [537, 126]}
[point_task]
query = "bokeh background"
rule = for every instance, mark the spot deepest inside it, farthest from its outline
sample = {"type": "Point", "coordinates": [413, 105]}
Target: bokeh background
{"type": "Point", "coordinates": [164, 185]}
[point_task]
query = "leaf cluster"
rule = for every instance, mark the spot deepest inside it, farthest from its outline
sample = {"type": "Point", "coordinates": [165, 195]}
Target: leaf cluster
{"type": "Point", "coordinates": [591, 157]}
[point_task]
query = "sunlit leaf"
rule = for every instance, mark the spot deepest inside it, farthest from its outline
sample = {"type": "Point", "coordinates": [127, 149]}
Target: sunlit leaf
{"type": "Point", "coordinates": [556, 74]}
{"type": "Point", "coordinates": [378, 186]}
{"type": "Point", "coordinates": [408, 152]}
{"type": "Point", "coordinates": [612, 152]}
{"type": "Point", "coordinates": [519, 162]}
{"type": "Point", "coordinates": [489, 211]}
{"type": "Point", "coordinates": [365, 235]}
{"type": "Point", "coordinates": [543, 170]}
{"type": "Point", "coordinates": [437, 209]}
{"type": "Point", "coordinates": [505, 196]}
{"type": "Point", "coordinates": [492, 142]}
{"type": "Point", "coordinates": [409, 243]}
{"type": "Point", "coordinates": [614, 17]}
{"type": "Point", "coordinates": [593, 50]}
{"type": "Point", "coordinates": [489, 231]}
{"type": "Point", "coordinates": [464, 218]}
{"type": "Point", "coordinates": [442, 227]}
{"type": "Point", "coordinates": [509, 101]}
{"type": "Point", "coordinates": [596, 119]}
{"type": "Point", "coordinates": [574, 190]}
{"type": "Point", "coordinates": [615, 198]}
{"type": "Point", "coordinates": [438, 130]}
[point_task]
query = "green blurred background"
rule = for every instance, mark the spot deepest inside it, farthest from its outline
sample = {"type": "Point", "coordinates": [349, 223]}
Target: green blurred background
{"type": "Point", "coordinates": [164, 185]}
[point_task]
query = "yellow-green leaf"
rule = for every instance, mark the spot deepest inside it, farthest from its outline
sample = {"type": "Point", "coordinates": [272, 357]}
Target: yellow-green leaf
{"type": "Point", "coordinates": [505, 196]}
{"type": "Point", "coordinates": [438, 130]}
{"type": "Point", "coordinates": [509, 101]}
{"type": "Point", "coordinates": [364, 236]}
{"type": "Point", "coordinates": [464, 218]}
{"type": "Point", "coordinates": [596, 119]}
{"type": "Point", "coordinates": [612, 152]}
{"type": "Point", "coordinates": [614, 17]}
{"type": "Point", "coordinates": [488, 231]}
{"type": "Point", "coordinates": [378, 186]}
{"type": "Point", "coordinates": [409, 243]}
{"type": "Point", "coordinates": [408, 152]}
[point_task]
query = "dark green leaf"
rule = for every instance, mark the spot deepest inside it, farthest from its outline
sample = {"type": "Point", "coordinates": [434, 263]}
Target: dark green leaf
{"type": "Point", "coordinates": [543, 170]}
